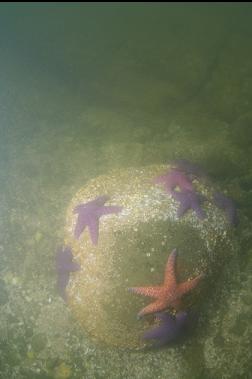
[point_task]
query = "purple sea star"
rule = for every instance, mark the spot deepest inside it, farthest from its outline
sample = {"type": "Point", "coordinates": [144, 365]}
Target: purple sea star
{"type": "Point", "coordinates": [189, 168]}
{"type": "Point", "coordinates": [224, 202]}
{"type": "Point", "coordinates": [189, 200]}
{"type": "Point", "coordinates": [172, 179]}
{"type": "Point", "coordinates": [89, 215]}
{"type": "Point", "coordinates": [170, 329]}
{"type": "Point", "coordinates": [64, 266]}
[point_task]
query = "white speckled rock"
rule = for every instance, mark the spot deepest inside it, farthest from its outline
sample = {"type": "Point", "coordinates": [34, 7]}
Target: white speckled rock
{"type": "Point", "coordinates": [133, 249]}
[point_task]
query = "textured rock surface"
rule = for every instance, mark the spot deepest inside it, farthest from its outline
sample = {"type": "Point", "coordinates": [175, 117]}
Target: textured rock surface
{"type": "Point", "coordinates": [133, 249]}
{"type": "Point", "coordinates": [227, 345]}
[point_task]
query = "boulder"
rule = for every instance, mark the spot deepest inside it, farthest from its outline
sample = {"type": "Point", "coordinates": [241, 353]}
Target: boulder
{"type": "Point", "coordinates": [133, 248]}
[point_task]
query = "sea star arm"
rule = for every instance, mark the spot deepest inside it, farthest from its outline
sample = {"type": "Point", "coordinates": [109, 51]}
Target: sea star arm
{"type": "Point", "coordinates": [163, 331]}
{"type": "Point", "coordinates": [200, 213]}
{"type": "Point", "coordinates": [182, 198]}
{"type": "Point", "coordinates": [224, 202]}
{"type": "Point", "coordinates": [79, 208]}
{"type": "Point", "coordinates": [187, 286]}
{"type": "Point", "coordinates": [232, 215]}
{"type": "Point", "coordinates": [154, 307]}
{"type": "Point", "coordinates": [110, 209]}
{"type": "Point", "coordinates": [93, 226]}
{"type": "Point", "coordinates": [147, 291]}
{"type": "Point", "coordinates": [164, 317]}
{"type": "Point", "coordinates": [170, 276]}
{"type": "Point", "coordinates": [79, 227]}
{"type": "Point", "coordinates": [160, 179]}
{"type": "Point", "coordinates": [155, 333]}
{"type": "Point", "coordinates": [74, 266]}
{"type": "Point", "coordinates": [68, 266]}
{"type": "Point", "coordinates": [62, 282]}
{"type": "Point", "coordinates": [182, 209]}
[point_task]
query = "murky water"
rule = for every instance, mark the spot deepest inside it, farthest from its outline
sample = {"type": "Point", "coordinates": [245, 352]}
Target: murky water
{"type": "Point", "coordinates": [89, 88]}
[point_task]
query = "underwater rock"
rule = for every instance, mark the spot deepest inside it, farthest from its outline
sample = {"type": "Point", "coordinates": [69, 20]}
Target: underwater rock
{"type": "Point", "coordinates": [38, 342]}
{"type": "Point", "coordinates": [4, 297]}
{"type": "Point", "coordinates": [63, 371]}
{"type": "Point", "coordinates": [133, 249]}
{"type": "Point", "coordinates": [227, 345]}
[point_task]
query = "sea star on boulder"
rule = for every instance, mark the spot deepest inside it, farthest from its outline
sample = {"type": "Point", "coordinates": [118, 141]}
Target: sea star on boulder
{"type": "Point", "coordinates": [64, 266]}
{"type": "Point", "coordinates": [189, 200]}
{"type": "Point", "coordinates": [89, 214]}
{"type": "Point", "coordinates": [226, 203]}
{"type": "Point", "coordinates": [172, 179]}
{"type": "Point", "coordinates": [170, 329]}
{"type": "Point", "coordinates": [189, 168]}
{"type": "Point", "coordinates": [168, 294]}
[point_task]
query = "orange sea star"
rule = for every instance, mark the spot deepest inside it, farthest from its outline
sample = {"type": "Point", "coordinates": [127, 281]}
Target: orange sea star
{"type": "Point", "coordinates": [168, 294]}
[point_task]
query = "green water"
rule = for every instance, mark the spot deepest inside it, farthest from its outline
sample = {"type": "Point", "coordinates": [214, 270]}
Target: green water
{"type": "Point", "coordinates": [88, 88]}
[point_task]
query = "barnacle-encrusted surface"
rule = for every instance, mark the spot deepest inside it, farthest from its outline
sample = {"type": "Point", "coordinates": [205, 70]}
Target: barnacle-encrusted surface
{"type": "Point", "coordinates": [133, 248]}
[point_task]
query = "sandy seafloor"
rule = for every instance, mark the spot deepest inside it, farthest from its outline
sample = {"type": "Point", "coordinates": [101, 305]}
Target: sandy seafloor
{"type": "Point", "coordinates": [85, 89]}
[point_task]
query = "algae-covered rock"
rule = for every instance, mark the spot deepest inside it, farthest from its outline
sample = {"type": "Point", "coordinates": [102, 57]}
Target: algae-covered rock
{"type": "Point", "coordinates": [3, 293]}
{"type": "Point", "coordinates": [133, 248]}
{"type": "Point", "coordinates": [38, 342]}
{"type": "Point", "coordinates": [63, 371]}
{"type": "Point", "coordinates": [227, 345]}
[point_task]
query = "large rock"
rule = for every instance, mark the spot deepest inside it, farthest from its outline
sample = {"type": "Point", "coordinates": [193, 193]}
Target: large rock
{"type": "Point", "coordinates": [227, 344]}
{"type": "Point", "coordinates": [133, 249]}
